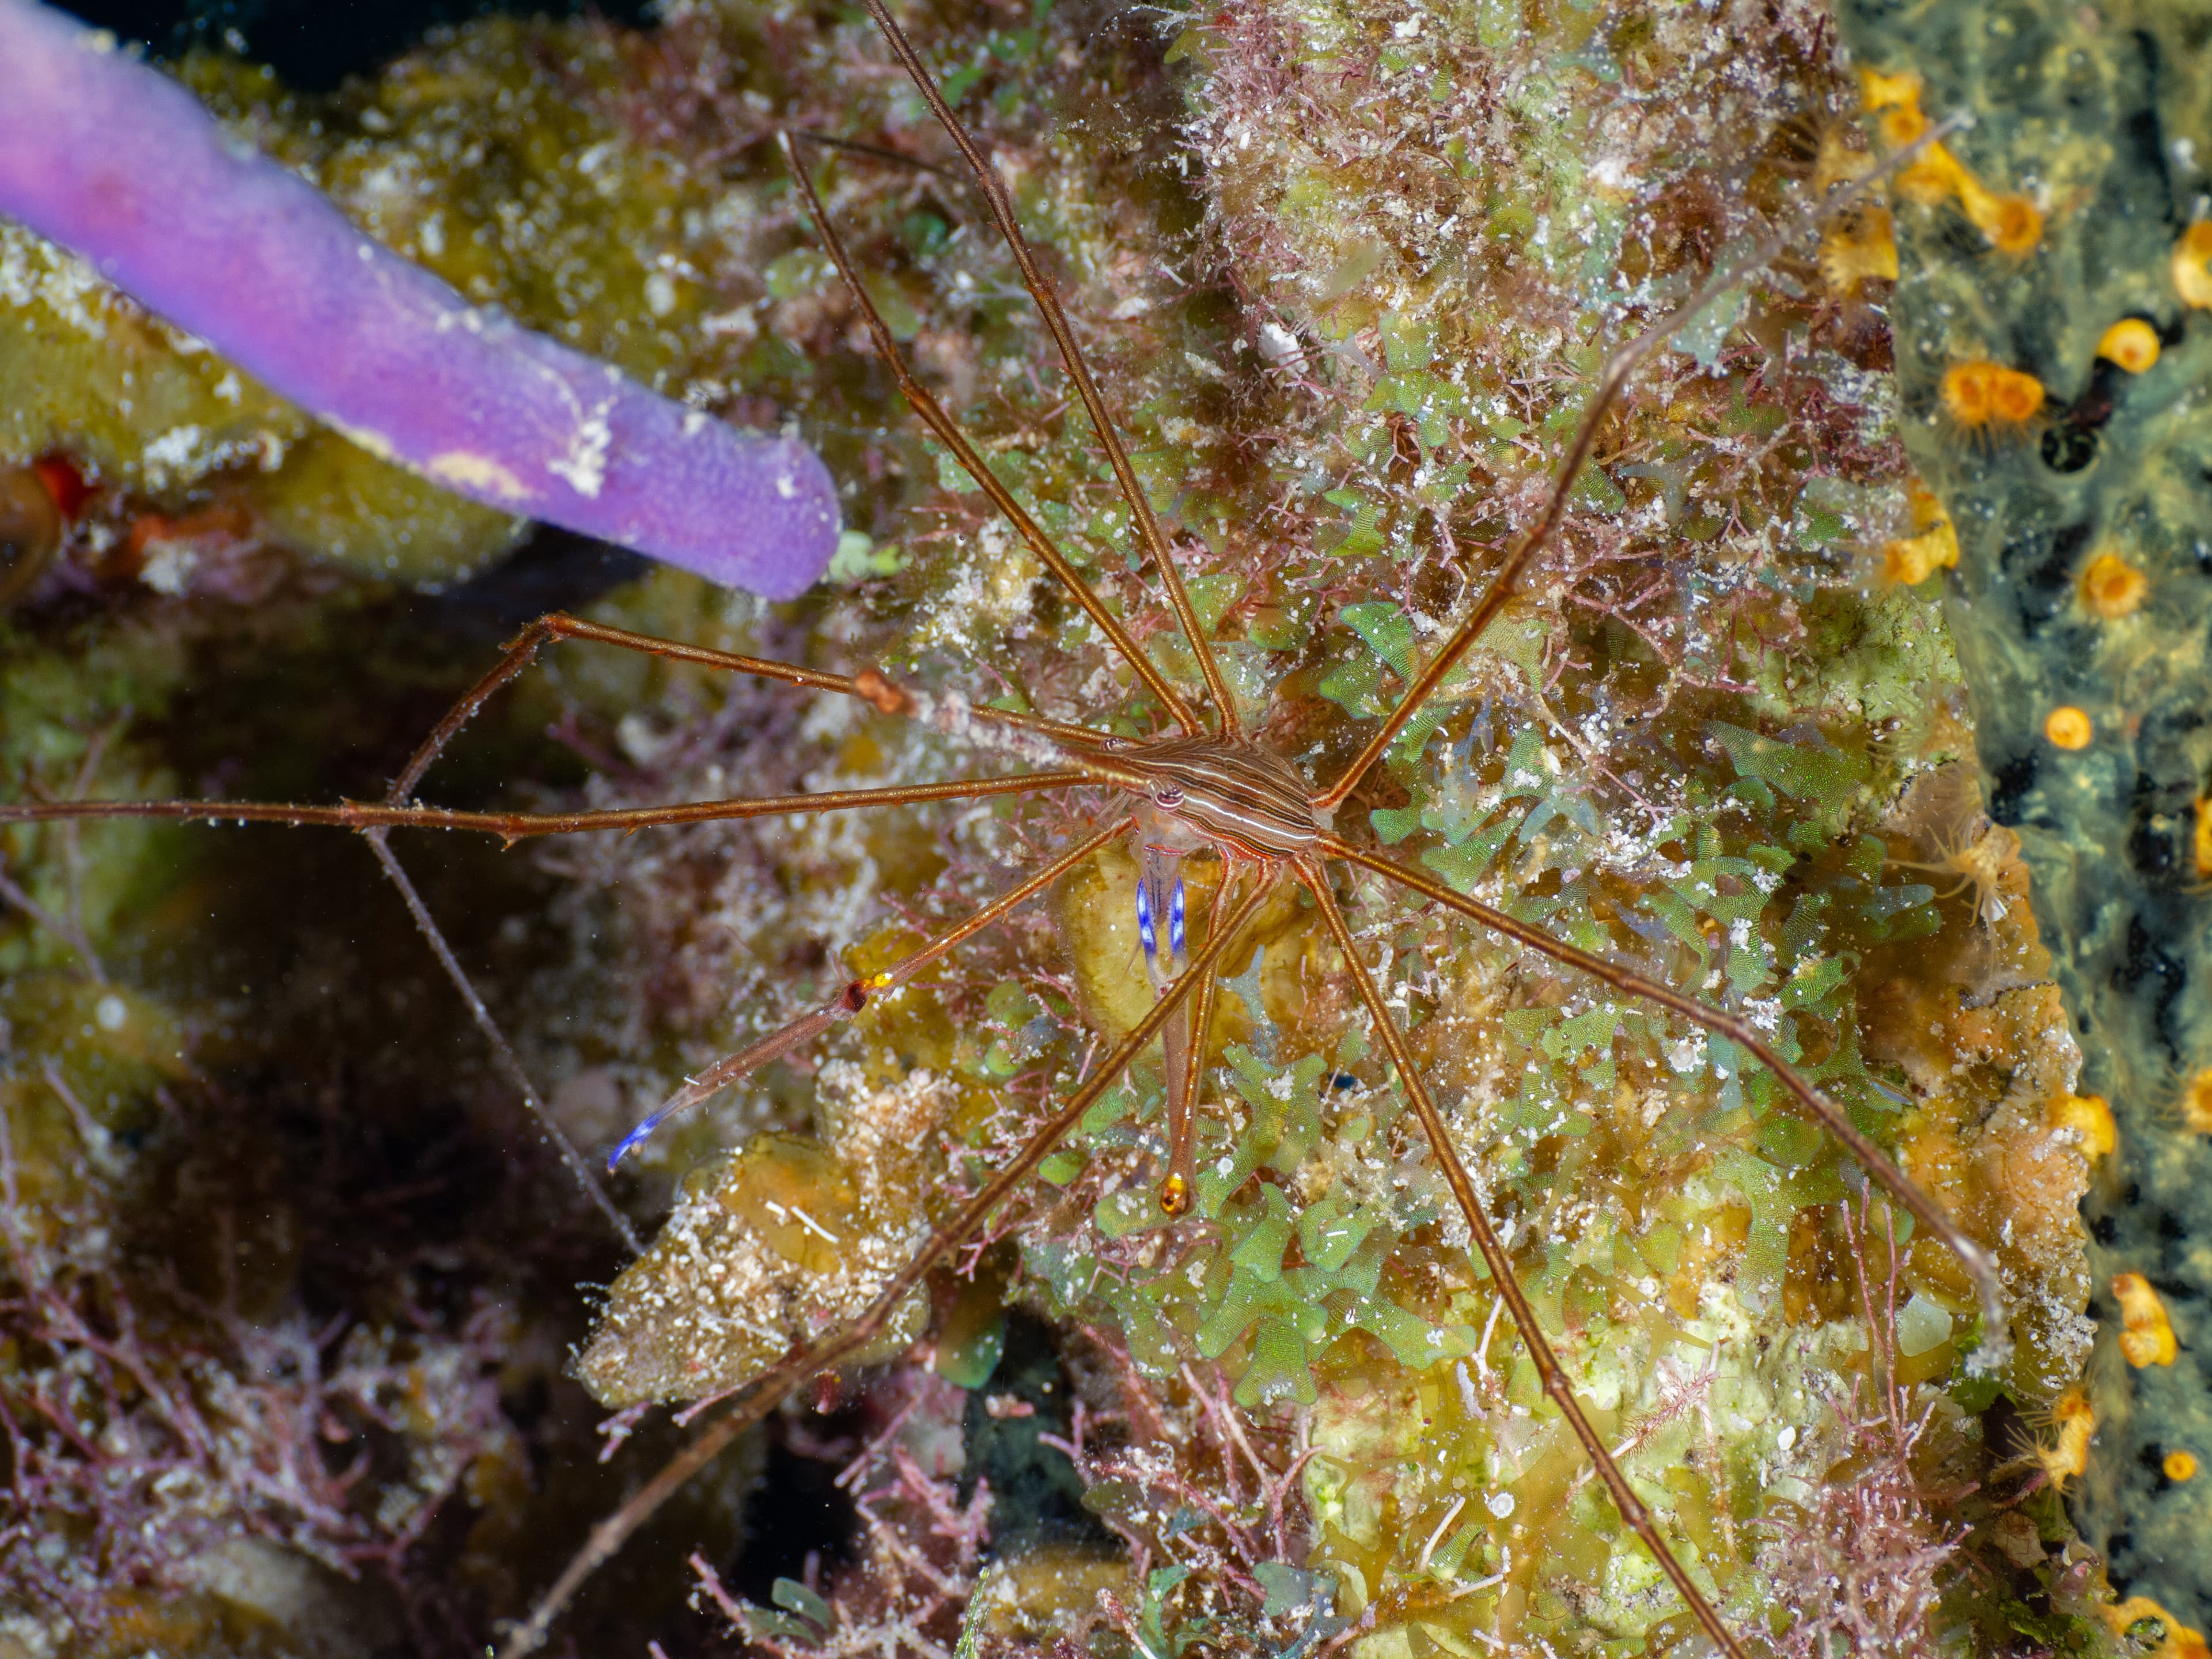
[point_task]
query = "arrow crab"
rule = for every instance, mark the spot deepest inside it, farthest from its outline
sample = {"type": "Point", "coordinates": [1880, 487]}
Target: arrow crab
{"type": "Point", "coordinates": [1427, 673]}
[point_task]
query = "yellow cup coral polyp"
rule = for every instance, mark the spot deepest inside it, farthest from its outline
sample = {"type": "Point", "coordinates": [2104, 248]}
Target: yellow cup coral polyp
{"type": "Point", "coordinates": [2192, 265]}
{"type": "Point", "coordinates": [2089, 1119]}
{"type": "Point", "coordinates": [2131, 343]}
{"type": "Point", "coordinates": [2067, 727]}
{"type": "Point", "coordinates": [2112, 587]}
{"type": "Point", "coordinates": [1980, 393]}
{"type": "Point", "coordinates": [2147, 1338]}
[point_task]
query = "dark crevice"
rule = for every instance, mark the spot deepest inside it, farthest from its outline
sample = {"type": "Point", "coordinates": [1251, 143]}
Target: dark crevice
{"type": "Point", "coordinates": [797, 1510]}
{"type": "Point", "coordinates": [1036, 1495]}
{"type": "Point", "coordinates": [314, 45]}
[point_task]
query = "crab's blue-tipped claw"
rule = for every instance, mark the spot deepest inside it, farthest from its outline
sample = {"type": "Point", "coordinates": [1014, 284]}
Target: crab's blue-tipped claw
{"type": "Point", "coordinates": [636, 1137]}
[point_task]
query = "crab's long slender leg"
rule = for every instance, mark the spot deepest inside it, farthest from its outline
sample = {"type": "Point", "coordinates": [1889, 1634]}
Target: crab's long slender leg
{"type": "Point", "coordinates": [1079, 371]}
{"type": "Point", "coordinates": [758, 1397]}
{"type": "Point", "coordinates": [1553, 1374]}
{"type": "Point", "coordinates": [855, 996]}
{"type": "Point", "coordinates": [522, 650]}
{"type": "Point", "coordinates": [949, 433]}
{"type": "Point", "coordinates": [1817, 1105]}
{"type": "Point", "coordinates": [519, 826]}
{"type": "Point", "coordinates": [1619, 367]}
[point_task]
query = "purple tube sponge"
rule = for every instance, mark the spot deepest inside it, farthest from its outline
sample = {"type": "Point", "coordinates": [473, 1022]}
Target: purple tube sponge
{"type": "Point", "coordinates": [117, 162]}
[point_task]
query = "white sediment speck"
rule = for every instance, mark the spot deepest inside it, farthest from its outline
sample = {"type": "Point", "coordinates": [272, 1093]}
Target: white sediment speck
{"type": "Point", "coordinates": [175, 451]}
{"type": "Point", "coordinates": [585, 466]}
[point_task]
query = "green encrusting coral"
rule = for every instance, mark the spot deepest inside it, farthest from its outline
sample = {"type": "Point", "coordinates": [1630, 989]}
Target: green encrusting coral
{"type": "Point", "coordinates": [2081, 582]}
{"type": "Point", "coordinates": [1347, 273]}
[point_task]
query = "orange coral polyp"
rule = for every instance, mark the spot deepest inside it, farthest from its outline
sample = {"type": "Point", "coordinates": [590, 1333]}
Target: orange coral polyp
{"type": "Point", "coordinates": [2112, 587]}
{"type": "Point", "coordinates": [2197, 1097]}
{"type": "Point", "coordinates": [2014, 397]}
{"type": "Point", "coordinates": [1901, 124]}
{"type": "Point", "coordinates": [2013, 223]}
{"type": "Point", "coordinates": [2147, 1338]}
{"type": "Point", "coordinates": [2181, 1642]}
{"type": "Point", "coordinates": [1936, 175]}
{"type": "Point", "coordinates": [2192, 265]}
{"type": "Point", "coordinates": [2065, 1455]}
{"type": "Point", "coordinates": [1910, 561]}
{"type": "Point", "coordinates": [2015, 226]}
{"type": "Point", "coordinates": [1966, 393]}
{"type": "Point", "coordinates": [1859, 250]}
{"type": "Point", "coordinates": [1881, 91]}
{"type": "Point", "coordinates": [2179, 1466]}
{"type": "Point", "coordinates": [2088, 1118]}
{"type": "Point", "coordinates": [2132, 343]}
{"type": "Point", "coordinates": [2067, 727]}
{"type": "Point", "coordinates": [1980, 393]}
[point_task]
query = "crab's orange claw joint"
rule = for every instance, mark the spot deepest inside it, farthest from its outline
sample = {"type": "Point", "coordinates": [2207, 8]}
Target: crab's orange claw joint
{"type": "Point", "coordinates": [880, 694]}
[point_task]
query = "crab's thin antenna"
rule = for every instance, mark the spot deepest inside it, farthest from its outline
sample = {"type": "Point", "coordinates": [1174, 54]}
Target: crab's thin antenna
{"type": "Point", "coordinates": [1071, 355]}
{"type": "Point", "coordinates": [881, 152]}
{"type": "Point", "coordinates": [1995, 1323]}
{"type": "Point", "coordinates": [502, 1051]}
{"type": "Point", "coordinates": [756, 1399]}
{"type": "Point", "coordinates": [1623, 364]}
{"type": "Point", "coordinates": [1553, 1374]}
{"type": "Point", "coordinates": [948, 433]}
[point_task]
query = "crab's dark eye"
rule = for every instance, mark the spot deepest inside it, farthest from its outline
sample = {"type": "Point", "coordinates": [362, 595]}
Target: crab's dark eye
{"type": "Point", "coordinates": [1170, 798]}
